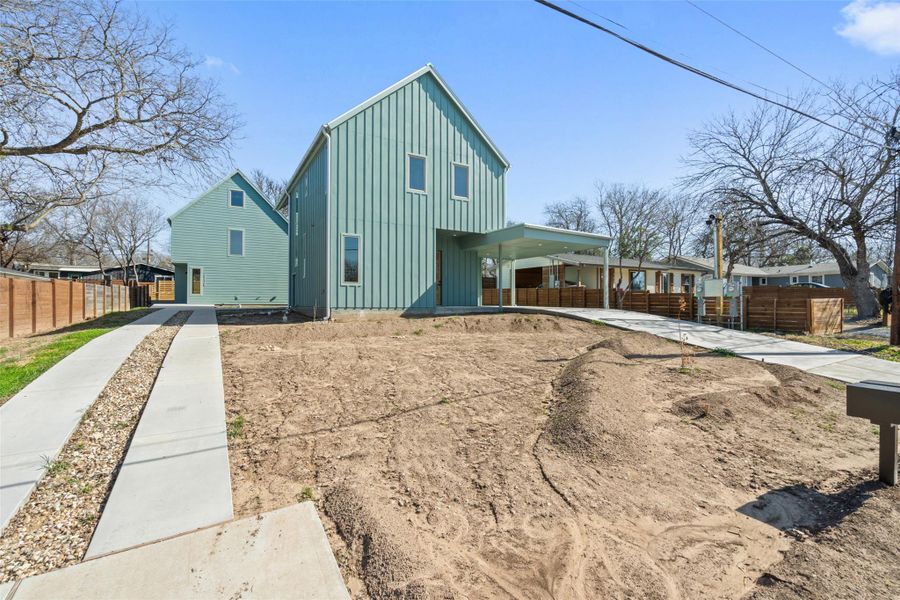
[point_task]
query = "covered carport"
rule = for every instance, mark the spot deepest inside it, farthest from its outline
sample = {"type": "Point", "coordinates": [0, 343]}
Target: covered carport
{"type": "Point", "coordinates": [528, 241]}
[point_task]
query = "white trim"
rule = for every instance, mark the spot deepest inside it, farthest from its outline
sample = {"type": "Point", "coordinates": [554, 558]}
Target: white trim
{"type": "Point", "coordinates": [243, 242]}
{"type": "Point", "coordinates": [243, 198]}
{"type": "Point", "coordinates": [812, 279]}
{"type": "Point", "coordinates": [190, 281]}
{"type": "Point", "coordinates": [468, 169]}
{"type": "Point", "coordinates": [795, 279]}
{"type": "Point", "coordinates": [763, 281]}
{"type": "Point", "coordinates": [217, 184]}
{"type": "Point", "coordinates": [428, 68]}
{"type": "Point", "coordinates": [359, 262]}
{"type": "Point", "coordinates": [411, 189]}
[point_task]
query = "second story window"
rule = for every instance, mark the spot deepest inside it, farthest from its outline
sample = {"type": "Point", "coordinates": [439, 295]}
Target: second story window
{"type": "Point", "coordinates": [236, 242]}
{"type": "Point", "coordinates": [460, 181]}
{"type": "Point", "coordinates": [237, 198]}
{"type": "Point", "coordinates": [415, 173]}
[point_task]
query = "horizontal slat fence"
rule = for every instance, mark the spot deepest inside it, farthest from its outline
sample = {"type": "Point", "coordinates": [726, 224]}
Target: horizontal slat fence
{"type": "Point", "coordinates": [773, 308]}
{"type": "Point", "coordinates": [30, 306]}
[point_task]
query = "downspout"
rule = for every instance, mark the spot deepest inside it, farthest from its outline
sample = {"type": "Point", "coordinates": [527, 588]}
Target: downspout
{"type": "Point", "coordinates": [327, 135]}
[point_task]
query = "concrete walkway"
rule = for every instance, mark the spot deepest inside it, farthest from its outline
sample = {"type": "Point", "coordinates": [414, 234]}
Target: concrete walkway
{"type": "Point", "coordinates": [37, 422]}
{"type": "Point", "coordinates": [280, 554]}
{"type": "Point", "coordinates": [844, 366]}
{"type": "Point", "coordinates": [175, 477]}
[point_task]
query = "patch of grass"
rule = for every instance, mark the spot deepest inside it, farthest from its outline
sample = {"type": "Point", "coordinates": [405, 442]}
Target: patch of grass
{"type": "Point", "coordinates": [837, 385]}
{"type": "Point", "coordinates": [687, 370]}
{"type": "Point", "coordinates": [16, 374]}
{"type": "Point", "coordinates": [876, 430]}
{"type": "Point", "coordinates": [418, 332]}
{"type": "Point", "coordinates": [236, 427]}
{"type": "Point", "coordinates": [598, 323]}
{"type": "Point", "coordinates": [444, 400]}
{"type": "Point", "coordinates": [723, 352]}
{"type": "Point", "coordinates": [55, 467]}
{"type": "Point", "coordinates": [870, 347]}
{"type": "Point", "coordinates": [307, 494]}
{"type": "Point", "coordinates": [438, 325]}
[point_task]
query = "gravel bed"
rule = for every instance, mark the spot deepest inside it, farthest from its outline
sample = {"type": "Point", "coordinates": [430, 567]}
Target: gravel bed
{"type": "Point", "coordinates": [55, 526]}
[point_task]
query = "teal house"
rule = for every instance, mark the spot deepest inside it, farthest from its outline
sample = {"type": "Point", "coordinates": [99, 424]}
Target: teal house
{"type": "Point", "coordinates": [397, 202]}
{"type": "Point", "coordinates": [230, 246]}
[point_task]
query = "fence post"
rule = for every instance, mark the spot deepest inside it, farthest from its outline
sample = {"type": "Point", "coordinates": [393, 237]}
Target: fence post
{"type": "Point", "coordinates": [775, 313]}
{"type": "Point", "coordinates": [809, 315]}
{"type": "Point", "coordinates": [71, 292]}
{"type": "Point", "coordinates": [12, 306]}
{"type": "Point", "coordinates": [33, 306]}
{"type": "Point", "coordinates": [53, 301]}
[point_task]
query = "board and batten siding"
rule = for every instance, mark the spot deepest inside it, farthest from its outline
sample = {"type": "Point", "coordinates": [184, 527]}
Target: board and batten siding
{"type": "Point", "coordinates": [307, 200]}
{"type": "Point", "coordinates": [398, 229]}
{"type": "Point", "coordinates": [200, 239]}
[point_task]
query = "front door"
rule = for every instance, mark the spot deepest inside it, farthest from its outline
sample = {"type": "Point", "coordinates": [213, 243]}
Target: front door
{"type": "Point", "coordinates": [437, 278]}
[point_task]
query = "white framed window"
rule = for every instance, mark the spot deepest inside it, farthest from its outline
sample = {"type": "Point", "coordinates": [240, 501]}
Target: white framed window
{"type": "Point", "coordinates": [351, 259]}
{"type": "Point", "coordinates": [763, 281]}
{"type": "Point", "coordinates": [235, 242]}
{"type": "Point", "coordinates": [196, 281]}
{"type": "Point", "coordinates": [236, 198]}
{"type": "Point", "coordinates": [818, 279]}
{"type": "Point", "coordinates": [416, 173]}
{"type": "Point", "coordinates": [795, 279]}
{"type": "Point", "coordinates": [459, 180]}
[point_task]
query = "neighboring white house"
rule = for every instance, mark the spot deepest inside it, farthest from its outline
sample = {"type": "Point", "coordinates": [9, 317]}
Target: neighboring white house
{"type": "Point", "coordinates": [745, 274]}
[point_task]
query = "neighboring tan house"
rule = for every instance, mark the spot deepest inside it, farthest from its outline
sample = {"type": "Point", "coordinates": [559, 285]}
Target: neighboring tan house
{"type": "Point", "coordinates": [745, 274]}
{"type": "Point", "coordinates": [826, 273]}
{"type": "Point", "coordinates": [229, 246]}
{"type": "Point", "coordinates": [585, 270]}
{"type": "Point", "coordinates": [396, 203]}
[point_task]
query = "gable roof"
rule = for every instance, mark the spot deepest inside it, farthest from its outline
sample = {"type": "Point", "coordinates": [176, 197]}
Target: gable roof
{"type": "Point", "coordinates": [707, 265]}
{"type": "Point", "coordinates": [823, 268]}
{"type": "Point", "coordinates": [217, 184]}
{"type": "Point", "coordinates": [327, 127]}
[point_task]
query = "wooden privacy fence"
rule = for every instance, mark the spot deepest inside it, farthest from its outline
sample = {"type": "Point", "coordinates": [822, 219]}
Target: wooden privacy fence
{"type": "Point", "coordinates": [161, 290]}
{"type": "Point", "coordinates": [773, 308]}
{"type": "Point", "coordinates": [30, 306]}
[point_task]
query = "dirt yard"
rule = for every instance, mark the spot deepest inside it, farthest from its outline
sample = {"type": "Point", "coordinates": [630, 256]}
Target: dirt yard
{"type": "Point", "coordinates": [526, 456]}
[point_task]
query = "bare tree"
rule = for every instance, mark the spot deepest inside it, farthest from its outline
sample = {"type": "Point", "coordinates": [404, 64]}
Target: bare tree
{"type": "Point", "coordinates": [830, 188]}
{"type": "Point", "coordinates": [270, 187]}
{"type": "Point", "coordinates": [94, 99]}
{"type": "Point", "coordinates": [574, 214]}
{"type": "Point", "coordinates": [632, 216]}
{"type": "Point", "coordinates": [679, 220]}
{"type": "Point", "coordinates": [130, 226]}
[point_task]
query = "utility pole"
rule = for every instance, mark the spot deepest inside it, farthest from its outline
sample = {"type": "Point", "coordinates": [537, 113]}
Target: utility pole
{"type": "Point", "coordinates": [893, 140]}
{"type": "Point", "coordinates": [719, 269]}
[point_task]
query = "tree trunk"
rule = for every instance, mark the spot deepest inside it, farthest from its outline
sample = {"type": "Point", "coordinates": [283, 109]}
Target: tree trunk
{"type": "Point", "coordinates": [866, 302]}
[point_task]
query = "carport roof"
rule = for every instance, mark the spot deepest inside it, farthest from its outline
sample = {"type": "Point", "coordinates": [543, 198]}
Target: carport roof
{"type": "Point", "coordinates": [526, 241]}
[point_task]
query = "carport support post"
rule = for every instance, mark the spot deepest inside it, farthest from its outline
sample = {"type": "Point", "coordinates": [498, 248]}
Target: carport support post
{"type": "Point", "coordinates": [512, 282]}
{"type": "Point", "coordinates": [887, 463]}
{"type": "Point", "coordinates": [500, 276]}
{"type": "Point", "coordinates": [606, 277]}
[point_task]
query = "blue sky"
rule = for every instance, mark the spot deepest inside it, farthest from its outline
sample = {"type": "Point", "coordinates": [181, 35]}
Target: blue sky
{"type": "Point", "coordinates": [566, 104]}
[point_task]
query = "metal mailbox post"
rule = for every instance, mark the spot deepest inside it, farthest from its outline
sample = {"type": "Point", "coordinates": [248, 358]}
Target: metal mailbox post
{"type": "Point", "coordinates": [879, 402]}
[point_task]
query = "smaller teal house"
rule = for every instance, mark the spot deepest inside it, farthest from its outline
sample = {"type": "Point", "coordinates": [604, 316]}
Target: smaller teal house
{"type": "Point", "coordinates": [230, 246]}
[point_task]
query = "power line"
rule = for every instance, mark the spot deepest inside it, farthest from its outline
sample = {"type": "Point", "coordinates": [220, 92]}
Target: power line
{"type": "Point", "coordinates": [829, 87]}
{"type": "Point", "coordinates": [695, 70]}
{"type": "Point", "coordinates": [759, 45]}
{"type": "Point", "coordinates": [679, 53]}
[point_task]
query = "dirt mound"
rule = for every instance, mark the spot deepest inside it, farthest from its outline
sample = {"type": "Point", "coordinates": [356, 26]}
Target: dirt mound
{"type": "Point", "coordinates": [636, 346]}
{"type": "Point", "coordinates": [379, 550]}
{"type": "Point", "coordinates": [589, 417]}
{"type": "Point", "coordinates": [705, 406]}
